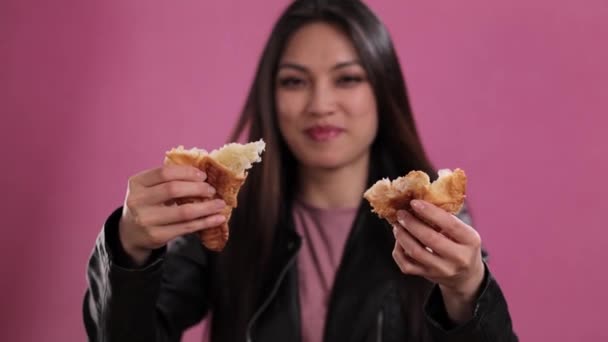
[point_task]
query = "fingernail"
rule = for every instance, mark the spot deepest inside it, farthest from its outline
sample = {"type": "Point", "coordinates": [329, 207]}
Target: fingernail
{"type": "Point", "coordinates": [401, 216]}
{"type": "Point", "coordinates": [220, 204]}
{"type": "Point", "coordinates": [211, 190]}
{"type": "Point", "coordinates": [201, 174]}
{"type": "Point", "coordinates": [417, 204]}
{"type": "Point", "coordinates": [220, 219]}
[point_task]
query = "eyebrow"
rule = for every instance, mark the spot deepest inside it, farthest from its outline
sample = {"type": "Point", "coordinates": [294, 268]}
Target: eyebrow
{"type": "Point", "coordinates": [304, 69]}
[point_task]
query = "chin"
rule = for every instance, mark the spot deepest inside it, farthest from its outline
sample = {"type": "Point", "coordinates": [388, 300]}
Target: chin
{"type": "Point", "coordinates": [326, 161]}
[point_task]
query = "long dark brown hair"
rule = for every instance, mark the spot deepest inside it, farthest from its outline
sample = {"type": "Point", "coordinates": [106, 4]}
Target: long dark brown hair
{"type": "Point", "coordinates": [240, 268]}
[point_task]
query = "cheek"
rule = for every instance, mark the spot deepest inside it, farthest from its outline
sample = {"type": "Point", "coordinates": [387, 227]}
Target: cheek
{"type": "Point", "coordinates": [288, 104]}
{"type": "Point", "coordinates": [365, 114]}
{"type": "Point", "coordinates": [367, 127]}
{"type": "Point", "coordinates": [288, 107]}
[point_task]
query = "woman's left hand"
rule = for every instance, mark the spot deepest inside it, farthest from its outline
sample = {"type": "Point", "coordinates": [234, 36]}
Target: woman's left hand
{"type": "Point", "coordinates": [449, 254]}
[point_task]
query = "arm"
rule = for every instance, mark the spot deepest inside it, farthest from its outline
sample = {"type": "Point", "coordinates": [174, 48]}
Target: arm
{"type": "Point", "coordinates": [490, 319]}
{"type": "Point", "coordinates": [466, 303]}
{"type": "Point", "coordinates": [155, 302]}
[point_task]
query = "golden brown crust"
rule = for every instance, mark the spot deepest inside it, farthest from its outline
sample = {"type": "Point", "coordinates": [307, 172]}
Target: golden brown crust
{"type": "Point", "coordinates": [447, 192]}
{"type": "Point", "coordinates": [226, 184]}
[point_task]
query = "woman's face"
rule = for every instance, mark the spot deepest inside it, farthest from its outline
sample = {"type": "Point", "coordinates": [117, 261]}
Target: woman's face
{"type": "Point", "coordinates": [325, 104]}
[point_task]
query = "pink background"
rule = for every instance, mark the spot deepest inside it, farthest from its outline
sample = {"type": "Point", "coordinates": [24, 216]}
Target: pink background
{"type": "Point", "coordinates": [515, 92]}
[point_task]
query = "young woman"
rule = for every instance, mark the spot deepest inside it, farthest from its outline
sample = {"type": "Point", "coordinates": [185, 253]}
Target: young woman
{"type": "Point", "coordinates": [306, 259]}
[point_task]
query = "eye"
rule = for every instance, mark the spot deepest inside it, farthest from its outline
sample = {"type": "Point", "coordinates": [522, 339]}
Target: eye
{"type": "Point", "coordinates": [350, 80]}
{"type": "Point", "coordinates": [291, 82]}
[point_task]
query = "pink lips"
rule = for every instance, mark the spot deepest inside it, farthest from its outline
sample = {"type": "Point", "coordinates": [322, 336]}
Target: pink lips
{"type": "Point", "coordinates": [323, 133]}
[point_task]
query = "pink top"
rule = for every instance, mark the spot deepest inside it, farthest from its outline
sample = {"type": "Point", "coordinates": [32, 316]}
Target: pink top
{"type": "Point", "coordinates": [324, 233]}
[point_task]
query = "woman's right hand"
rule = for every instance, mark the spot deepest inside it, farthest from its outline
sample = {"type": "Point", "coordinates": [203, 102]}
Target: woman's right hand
{"type": "Point", "coordinates": [148, 223]}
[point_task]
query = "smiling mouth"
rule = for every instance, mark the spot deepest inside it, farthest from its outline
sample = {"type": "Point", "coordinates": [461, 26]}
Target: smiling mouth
{"type": "Point", "coordinates": [323, 133]}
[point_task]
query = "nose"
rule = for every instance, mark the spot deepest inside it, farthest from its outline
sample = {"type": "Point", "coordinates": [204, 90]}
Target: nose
{"type": "Point", "coordinates": [322, 101]}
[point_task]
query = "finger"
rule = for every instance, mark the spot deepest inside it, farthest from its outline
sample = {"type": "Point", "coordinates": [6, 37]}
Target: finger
{"type": "Point", "coordinates": [449, 224]}
{"type": "Point", "coordinates": [161, 216]}
{"type": "Point", "coordinates": [415, 250]}
{"type": "Point", "coordinates": [167, 233]}
{"type": "Point", "coordinates": [164, 192]}
{"type": "Point", "coordinates": [427, 236]}
{"type": "Point", "coordinates": [168, 173]}
{"type": "Point", "coordinates": [405, 264]}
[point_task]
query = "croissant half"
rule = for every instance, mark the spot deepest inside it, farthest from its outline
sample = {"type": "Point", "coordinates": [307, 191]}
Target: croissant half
{"type": "Point", "coordinates": [447, 192]}
{"type": "Point", "coordinates": [226, 170]}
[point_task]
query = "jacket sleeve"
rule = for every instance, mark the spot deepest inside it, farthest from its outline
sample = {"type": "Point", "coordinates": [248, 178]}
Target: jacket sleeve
{"type": "Point", "coordinates": [491, 321]}
{"type": "Point", "coordinates": [156, 302]}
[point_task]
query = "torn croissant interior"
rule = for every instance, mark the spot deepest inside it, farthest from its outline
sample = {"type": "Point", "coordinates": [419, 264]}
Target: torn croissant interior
{"type": "Point", "coordinates": [226, 170]}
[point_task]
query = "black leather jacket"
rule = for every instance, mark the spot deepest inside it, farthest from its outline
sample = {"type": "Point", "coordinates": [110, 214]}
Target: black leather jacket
{"type": "Point", "coordinates": [159, 301]}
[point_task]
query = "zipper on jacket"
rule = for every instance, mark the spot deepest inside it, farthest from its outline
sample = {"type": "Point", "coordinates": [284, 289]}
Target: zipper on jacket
{"type": "Point", "coordinates": [356, 229]}
{"type": "Point", "coordinates": [380, 322]}
{"type": "Point", "coordinates": [268, 299]}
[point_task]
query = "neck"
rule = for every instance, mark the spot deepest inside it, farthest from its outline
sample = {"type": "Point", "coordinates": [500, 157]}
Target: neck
{"type": "Point", "coordinates": [334, 188]}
